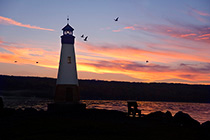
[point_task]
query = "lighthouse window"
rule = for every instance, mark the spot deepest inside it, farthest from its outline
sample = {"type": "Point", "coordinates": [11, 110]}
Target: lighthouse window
{"type": "Point", "coordinates": [67, 32]}
{"type": "Point", "coordinates": [69, 59]}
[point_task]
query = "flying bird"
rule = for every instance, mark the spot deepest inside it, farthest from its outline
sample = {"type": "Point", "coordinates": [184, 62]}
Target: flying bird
{"type": "Point", "coordinates": [116, 19]}
{"type": "Point", "coordinates": [147, 61]}
{"type": "Point", "coordinates": [37, 62]}
{"type": "Point", "coordinates": [15, 61]}
{"type": "Point", "coordinates": [86, 38]}
{"type": "Point", "coordinates": [82, 36]}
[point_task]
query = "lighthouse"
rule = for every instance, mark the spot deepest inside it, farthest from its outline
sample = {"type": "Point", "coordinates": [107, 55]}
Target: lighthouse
{"type": "Point", "coordinates": [67, 87]}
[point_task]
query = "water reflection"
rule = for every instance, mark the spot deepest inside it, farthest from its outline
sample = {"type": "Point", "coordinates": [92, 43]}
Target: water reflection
{"type": "Point", "coordinates": [199, 111]}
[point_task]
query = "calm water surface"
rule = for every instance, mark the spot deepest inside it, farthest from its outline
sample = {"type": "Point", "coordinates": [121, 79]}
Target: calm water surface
{"type": "Point", "coordinates": [198, 111]}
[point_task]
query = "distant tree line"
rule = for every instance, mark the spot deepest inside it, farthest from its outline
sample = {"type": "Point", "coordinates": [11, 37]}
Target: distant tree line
{"type": "Point", "coordinates": [107, 90]}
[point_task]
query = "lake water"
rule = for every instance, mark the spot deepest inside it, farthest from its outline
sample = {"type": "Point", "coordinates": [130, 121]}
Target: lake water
{"type": "Point", "coordinates": [198, 111]}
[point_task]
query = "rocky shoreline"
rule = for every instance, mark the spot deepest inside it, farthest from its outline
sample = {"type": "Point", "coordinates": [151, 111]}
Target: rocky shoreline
{"type": "Point", "coordinates": [98, 124]}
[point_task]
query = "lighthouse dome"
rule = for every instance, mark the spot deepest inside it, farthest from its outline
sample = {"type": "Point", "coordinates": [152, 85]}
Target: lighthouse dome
{"type": "Point", "coordinates": [68, 28]}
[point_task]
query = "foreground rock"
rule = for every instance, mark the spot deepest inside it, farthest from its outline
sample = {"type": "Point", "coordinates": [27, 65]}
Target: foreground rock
{"type": "Point", "coordinates": [206, 125]}
{"type": "Point", "coordinates": [159, 116]}
{"type": "Point", "coordinates": [1, 104]}
{"type": "Point", "coordinates": [95, 124]}
{"type": "Point", "coordinates": [184, 119]}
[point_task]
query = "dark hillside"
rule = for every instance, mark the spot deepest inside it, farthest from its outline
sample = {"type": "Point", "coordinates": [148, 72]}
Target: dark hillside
{"type": "Point", "coordinates": [93, 89]}
{"type": "Point", "coordinates": [27, 86]}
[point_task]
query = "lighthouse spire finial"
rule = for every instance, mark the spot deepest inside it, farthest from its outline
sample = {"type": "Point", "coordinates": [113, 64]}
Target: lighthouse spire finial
{"type": "Point", "coordinates": [67, 19]}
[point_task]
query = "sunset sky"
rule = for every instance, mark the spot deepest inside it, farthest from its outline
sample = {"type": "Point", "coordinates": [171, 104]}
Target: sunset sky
{"type": "Point", "coordinates": [173, 36]}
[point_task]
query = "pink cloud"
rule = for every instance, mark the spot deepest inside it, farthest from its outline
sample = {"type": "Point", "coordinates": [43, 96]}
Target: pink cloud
{"type": "Point", "coordinates": [199, 15]}
{"type": "Point", "coordinates": [200, 12]}
{"type": "Point", "coordinates": [130, 27]}
{"type": "Point", "coordinates": [124, 65]}
{"type": "Point", "coordinates": [139, 54]}
{"type": "Point", "coordinates": [191, 32]}
{"type": "Point", "coordinates": [186, 35]}
{"type": "Point", "coordinates": [116, 30]}
{"type": "Point", "coordinates": [151, 72]}
{"type": "Point", "coordinates": [8, 21]}
{"type": "Point", "coordinates": [205, 35]}
{"type": "Point", "coordinates": [121, 63]}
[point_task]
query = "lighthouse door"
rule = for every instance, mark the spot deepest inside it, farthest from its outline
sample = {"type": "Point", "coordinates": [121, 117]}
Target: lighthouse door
{"type": "Point", "coordinates": [69, 94]}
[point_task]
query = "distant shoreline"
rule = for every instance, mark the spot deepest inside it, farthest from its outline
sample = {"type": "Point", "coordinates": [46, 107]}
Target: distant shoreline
{"type": "Point", "coordinates": [108, 80]}
{"type": "Point", "coordinates": [107, 90]}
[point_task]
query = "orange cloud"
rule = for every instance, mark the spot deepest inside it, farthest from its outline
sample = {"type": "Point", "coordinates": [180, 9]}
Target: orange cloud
{"type": "Point", "coordinates": [130, 61]}
{"type": "Point", "coordinates": [27, 70]}
{"type": "Point", "coordinates": [130, 27]}
{"type": "Point", "coordinates": [4, 20]}
{"type": "Point", "coordinates": [186, 35]}
{"type": "Point", "coordinates": [120, 60]}
{"type": "Point", "coordinates": [138, 54]}
{"type": "Point", "coordinates": [29, 56]}
{"type": "Point", "coordinates": [150, 72]}
{"type": "Point", "coordinates": [205, 35]}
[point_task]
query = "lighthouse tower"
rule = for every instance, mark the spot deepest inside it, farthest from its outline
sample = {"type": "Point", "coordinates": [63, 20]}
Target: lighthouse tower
{"type": "Point", "coordinates": [67, 88]}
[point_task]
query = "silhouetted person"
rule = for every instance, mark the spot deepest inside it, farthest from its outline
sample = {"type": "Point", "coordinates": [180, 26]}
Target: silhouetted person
{"type": "Point", "coordinates": [116, 19]}
{"type": "Point", "coordinates": [86, 38]}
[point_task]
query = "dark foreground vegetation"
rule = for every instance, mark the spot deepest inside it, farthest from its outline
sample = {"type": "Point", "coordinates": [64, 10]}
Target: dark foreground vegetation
{"type": "Point", "coordinates": [93, 124]}
{"type": "Point", "coordinates": [105, 90]}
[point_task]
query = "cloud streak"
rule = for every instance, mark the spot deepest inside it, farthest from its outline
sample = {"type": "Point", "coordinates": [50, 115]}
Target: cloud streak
{"type": "Point", "coordinates": [124, 61]}
{"type": "Point", "coordinates": [9, 21]}
{"type": "Point", "coordinates": [201, 12]}
{"type": "Point", "coordinates": [139, 54]}
{"type": "Point", "coordinates": [196, 68]}
{"type": "Point", "coordinates": [189, 66]}
{"type": "Point", "coordinates": [26, 55]}
{"type": "Point", "coordinates": [151, 72]}
{"type": "Point", "coordinates": [190, 32]}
